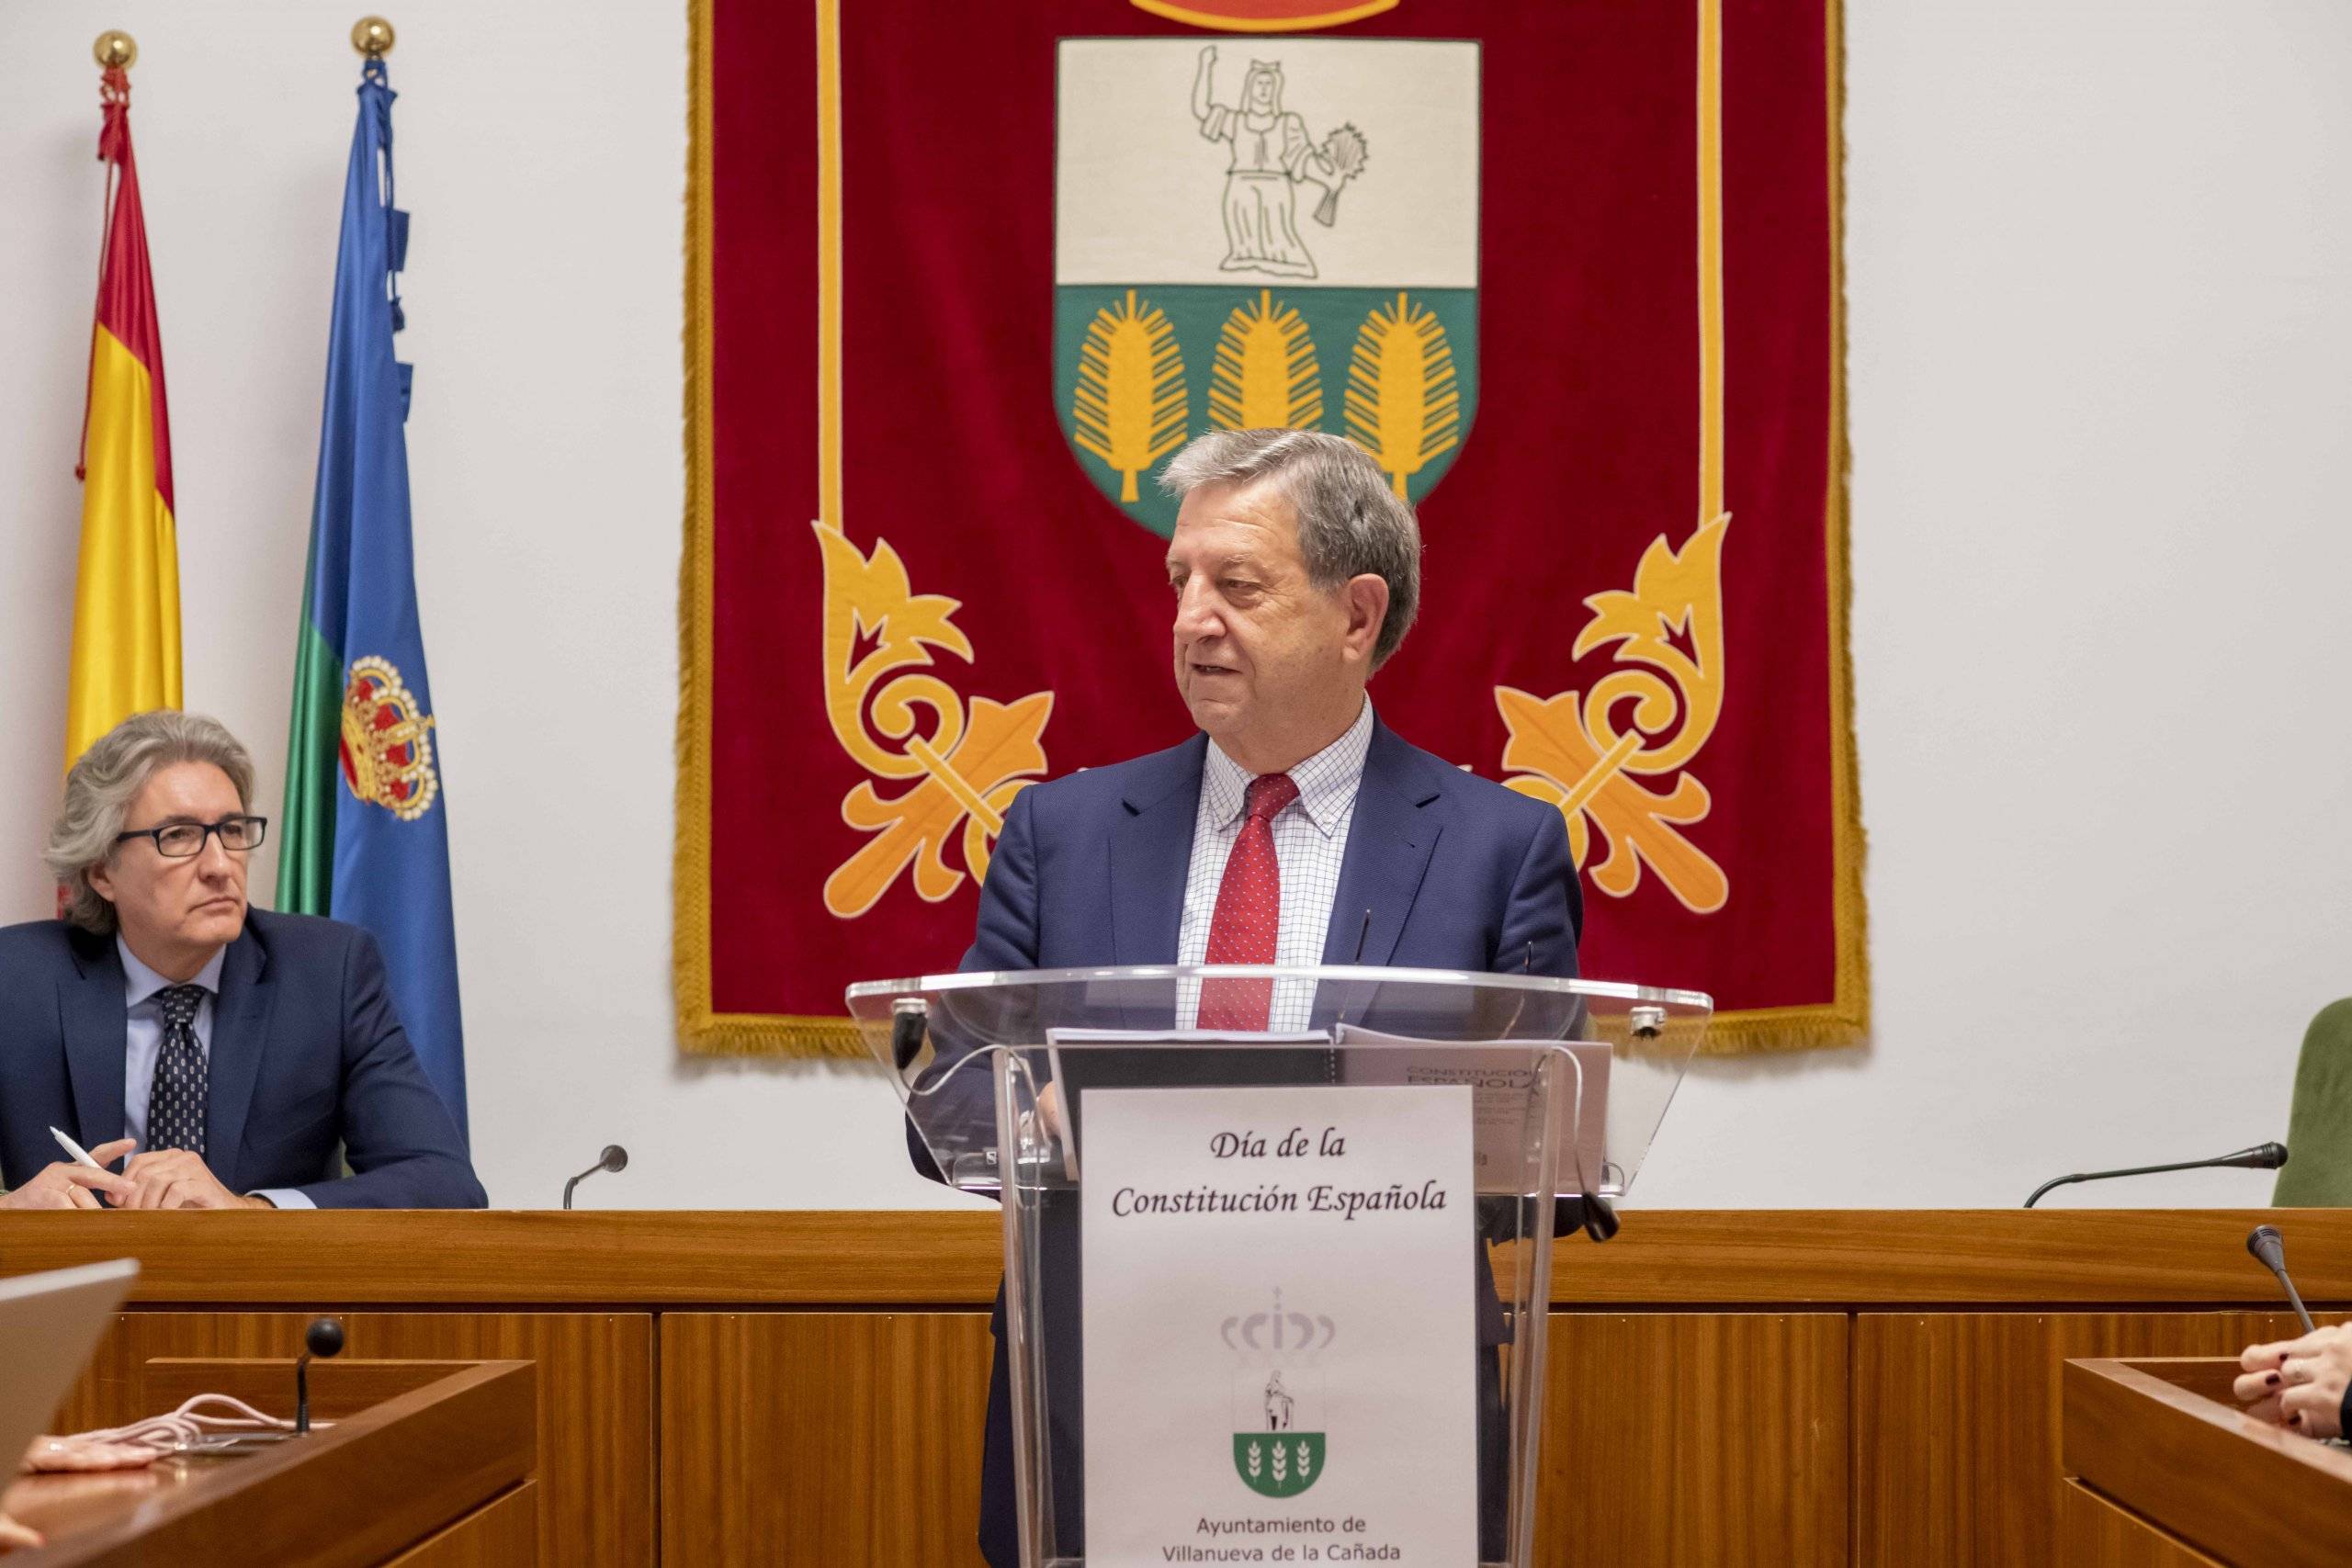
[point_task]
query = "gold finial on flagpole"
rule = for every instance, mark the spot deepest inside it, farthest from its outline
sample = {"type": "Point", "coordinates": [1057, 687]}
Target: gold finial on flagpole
{"type": "Point", "coordinates": [372, 36]}
{"type": "Point", "coordinates": [115, 50]}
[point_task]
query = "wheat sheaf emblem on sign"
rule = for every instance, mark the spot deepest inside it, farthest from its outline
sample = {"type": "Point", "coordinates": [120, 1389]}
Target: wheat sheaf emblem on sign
{"type": "Point", "coordinates": [1403, 406]}
{"type": "Point", "coordinates": [1266, 376]}
{"type": "Point", "coordinates": [1129, 407]}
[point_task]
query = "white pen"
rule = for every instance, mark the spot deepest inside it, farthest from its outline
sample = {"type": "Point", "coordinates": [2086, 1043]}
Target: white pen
{"type": "Point", "coordinates": [81, 1155]}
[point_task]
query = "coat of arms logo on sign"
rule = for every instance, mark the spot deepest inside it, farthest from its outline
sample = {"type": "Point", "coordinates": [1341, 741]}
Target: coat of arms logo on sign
{"type": "Point", "coordinates": [1279, 1440]}
{"type": "Point", "coordinates": [1208, 275]}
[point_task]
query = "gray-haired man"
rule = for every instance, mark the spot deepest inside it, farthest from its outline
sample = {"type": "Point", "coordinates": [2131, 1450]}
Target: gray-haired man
{"type": "Point", "coordinates": [1295, 572]}
{"type": "Point", "coordinates": [229, 1052]}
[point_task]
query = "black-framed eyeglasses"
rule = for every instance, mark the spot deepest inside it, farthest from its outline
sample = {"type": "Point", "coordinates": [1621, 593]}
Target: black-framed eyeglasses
{"type": "Point", "coordinates": [181, 839]}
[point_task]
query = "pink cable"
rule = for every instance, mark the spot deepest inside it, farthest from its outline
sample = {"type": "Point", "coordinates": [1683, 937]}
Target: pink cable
{"type": "Point", "coordinates": [182, 1427]}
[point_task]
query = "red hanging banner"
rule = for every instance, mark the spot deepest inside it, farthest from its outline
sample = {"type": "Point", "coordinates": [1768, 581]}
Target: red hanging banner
{"type": "Point", "coordinates": [960, 280]}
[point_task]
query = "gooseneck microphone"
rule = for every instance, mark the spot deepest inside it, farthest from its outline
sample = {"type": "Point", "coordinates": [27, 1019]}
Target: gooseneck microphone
{"type": "Point", "coordinates": [615, 1157]}
{"type": "Point", "coordinates": [2269, 1249]}
{"type": "Point", "coordinates": [2262, 1156]}
{"type": "Point", "coordinates": [1598, 1215]}
{"type": "Point", "coordinates": [1363, 934]}
{"type": "Point", "coordinates": [324, 1339]}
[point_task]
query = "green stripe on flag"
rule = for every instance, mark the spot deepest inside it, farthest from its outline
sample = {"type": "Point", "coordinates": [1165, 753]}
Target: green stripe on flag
{"type": "Point", "coordinates": [306, 840]}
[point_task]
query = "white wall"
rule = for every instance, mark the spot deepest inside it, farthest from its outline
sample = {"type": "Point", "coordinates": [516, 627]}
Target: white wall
{"type": "Point", "coordinates": [2098, 261]}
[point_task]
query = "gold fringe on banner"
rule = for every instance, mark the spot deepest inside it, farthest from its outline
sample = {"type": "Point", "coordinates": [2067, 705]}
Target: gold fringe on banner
{"type": "Point", "coordinates": [701, 1029]}
{"type": "Point", "coordinates": [1847, 1019]}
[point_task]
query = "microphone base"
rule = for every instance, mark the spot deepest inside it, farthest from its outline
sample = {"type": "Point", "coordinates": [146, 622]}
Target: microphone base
{"type": "Point", "coordinates": [1499, 1218]}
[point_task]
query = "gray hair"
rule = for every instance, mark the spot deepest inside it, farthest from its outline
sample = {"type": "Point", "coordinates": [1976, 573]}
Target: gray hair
{"type": "Point", "coordinates": [107, 777]}
{"type": "Point", "coordinates": [1350, 520]}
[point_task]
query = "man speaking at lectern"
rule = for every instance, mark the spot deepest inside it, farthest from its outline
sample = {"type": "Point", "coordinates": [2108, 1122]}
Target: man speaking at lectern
{"type": "Point", "coordinates": [1296, 829]}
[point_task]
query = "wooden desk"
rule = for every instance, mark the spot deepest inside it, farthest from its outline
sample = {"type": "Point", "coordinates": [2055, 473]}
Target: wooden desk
{"type": "Point", "coordinates": [2166, 1473]}
{"type": "Point", "coordinates": [1779, 1387]}
{"type": "Point", "coordinates": [437, 1476]}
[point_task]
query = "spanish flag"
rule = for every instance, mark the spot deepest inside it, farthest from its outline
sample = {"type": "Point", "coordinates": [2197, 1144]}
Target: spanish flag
{"type": "Point", "coordinates": [127, 604]}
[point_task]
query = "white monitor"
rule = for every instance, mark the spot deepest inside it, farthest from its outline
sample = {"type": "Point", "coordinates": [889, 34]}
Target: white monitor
{"type": "Point", "coordinates": [48, 1325]}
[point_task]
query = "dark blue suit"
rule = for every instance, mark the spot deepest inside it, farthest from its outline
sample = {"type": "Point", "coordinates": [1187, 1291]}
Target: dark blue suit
{"type": "Point", "coordinates": [307, 1057]}
{"type": "Point", "coordinates": [1458, 872]}
{"type": "Point", "coordinates": [1455, 873]}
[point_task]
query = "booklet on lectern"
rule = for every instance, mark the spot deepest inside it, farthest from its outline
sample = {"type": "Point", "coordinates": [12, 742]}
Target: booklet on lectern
{"type": "Point", "coordinates": [1500, 1074]}
{"type": "Point", "coordinates": [1177, 1058]}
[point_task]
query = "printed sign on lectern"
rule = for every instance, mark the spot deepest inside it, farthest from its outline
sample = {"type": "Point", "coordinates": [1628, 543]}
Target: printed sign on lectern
{"type": "Point", "coordinates": [1280, 1325]}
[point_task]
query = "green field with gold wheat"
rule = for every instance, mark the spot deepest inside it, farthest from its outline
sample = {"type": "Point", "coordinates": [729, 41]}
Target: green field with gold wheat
{"type": "Point", "coordinates": [1139, 371]}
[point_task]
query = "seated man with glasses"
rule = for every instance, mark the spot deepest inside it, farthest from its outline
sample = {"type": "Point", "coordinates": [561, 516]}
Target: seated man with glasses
{"type": "Point", "coordinates": [239, 1058]}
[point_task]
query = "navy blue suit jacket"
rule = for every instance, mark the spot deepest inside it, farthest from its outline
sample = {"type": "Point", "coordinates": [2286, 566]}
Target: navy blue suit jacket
{"type": "Point", "coordinates": [1456, 872]}
{"type": "Point", "coordinates": [307, 1057]}
{"type": "Point", "coordinates": [1444, 871]}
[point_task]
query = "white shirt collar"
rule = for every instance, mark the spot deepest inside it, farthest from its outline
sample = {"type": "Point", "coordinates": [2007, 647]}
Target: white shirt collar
{"type": "Point", "coordinates": [1326, 781]}
{"type": "Point", "coordinates": [141, 982]}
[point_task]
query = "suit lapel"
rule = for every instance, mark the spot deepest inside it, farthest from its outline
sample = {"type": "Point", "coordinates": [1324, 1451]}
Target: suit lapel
{"type": "Point", "coordinates": [1152, 850]}
{"type": "Point", "coordinates": [1389, 840]}
{"type": "Point", "coordinates": [240, 1027]}
{"type": "Point", "coordinates": [97, 1023]}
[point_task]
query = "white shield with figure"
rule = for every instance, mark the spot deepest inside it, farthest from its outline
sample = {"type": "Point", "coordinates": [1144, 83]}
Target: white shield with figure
{"type": "Point", "coordinates": [1278, 232]}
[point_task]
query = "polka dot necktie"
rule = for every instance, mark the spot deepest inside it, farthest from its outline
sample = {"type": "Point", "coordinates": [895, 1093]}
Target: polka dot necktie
{"type": "Point", "coordinates": [1248, 911]}
{"type": "Point", "coordinates": [175, 1104]}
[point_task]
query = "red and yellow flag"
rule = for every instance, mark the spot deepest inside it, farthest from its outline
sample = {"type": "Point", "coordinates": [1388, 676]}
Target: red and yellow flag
{"type": "Point", "coordinates": [127, 603]}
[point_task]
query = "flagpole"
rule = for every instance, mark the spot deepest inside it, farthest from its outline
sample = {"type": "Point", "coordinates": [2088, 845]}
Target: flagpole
{"type": "Point", "coordinates": [116, 51]}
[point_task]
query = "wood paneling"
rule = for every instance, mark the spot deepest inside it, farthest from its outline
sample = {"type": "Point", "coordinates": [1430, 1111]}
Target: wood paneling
{"type": "Point", "coordinates": [358, 1493]}
{"type": "Point", "coordinates": [1957, 1421]}
{"type": "Point", "coordinates": [1947, 1256]}
{"type": "Point", "coordinates": [2148, 1435]}
{"type": "Point", "coordinates": [595, 1496]}
{"type": "Point", "coordinates": [2095, 1533]}
{"type": "Point", "coordinates": [640, 1258]}
{"type": "Point", "coordinates": [822, 1438]}
{"type": "Point", "coordinates": [1957, 1321]}
{"type": "Point", "coordinates": [503, 1535]}
{"type": "Point", "coordinates": [645, 1260]}
{"type": "Point", "coordinates": [60, 1506]}
{"type": "Point", "coordinates": [345, 1386]}
{"type": "Point", "coordinates": [1714, 1438]}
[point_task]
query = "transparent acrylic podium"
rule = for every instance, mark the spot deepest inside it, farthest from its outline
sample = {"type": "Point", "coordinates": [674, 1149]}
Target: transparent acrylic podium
{"type": "Point", "coordinates": [1570, 1080]}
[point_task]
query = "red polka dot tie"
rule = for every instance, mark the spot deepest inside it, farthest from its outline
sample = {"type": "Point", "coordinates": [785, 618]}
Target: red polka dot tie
{"type": "Point", "coordinates": [1248, 911]}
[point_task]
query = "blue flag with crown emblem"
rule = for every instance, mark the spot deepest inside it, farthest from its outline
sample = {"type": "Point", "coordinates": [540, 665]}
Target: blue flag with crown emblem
{"type": "Point", "coordinates": [365, 837]}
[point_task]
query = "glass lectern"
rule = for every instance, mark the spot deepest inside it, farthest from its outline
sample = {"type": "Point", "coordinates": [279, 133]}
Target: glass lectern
{"type": "Point", "coordinates": [1554, 1087]}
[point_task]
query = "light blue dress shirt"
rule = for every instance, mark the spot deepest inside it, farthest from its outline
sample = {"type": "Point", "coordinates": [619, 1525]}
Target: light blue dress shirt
{"type": "Point", "coordinates": [144, 1042]}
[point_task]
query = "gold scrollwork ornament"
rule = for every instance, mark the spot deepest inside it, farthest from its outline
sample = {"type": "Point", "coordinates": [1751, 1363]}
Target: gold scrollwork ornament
{"type": "Point", "coordinates": [1570, 749]}
{"type": "Point", "coordinates": [899, 723]}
